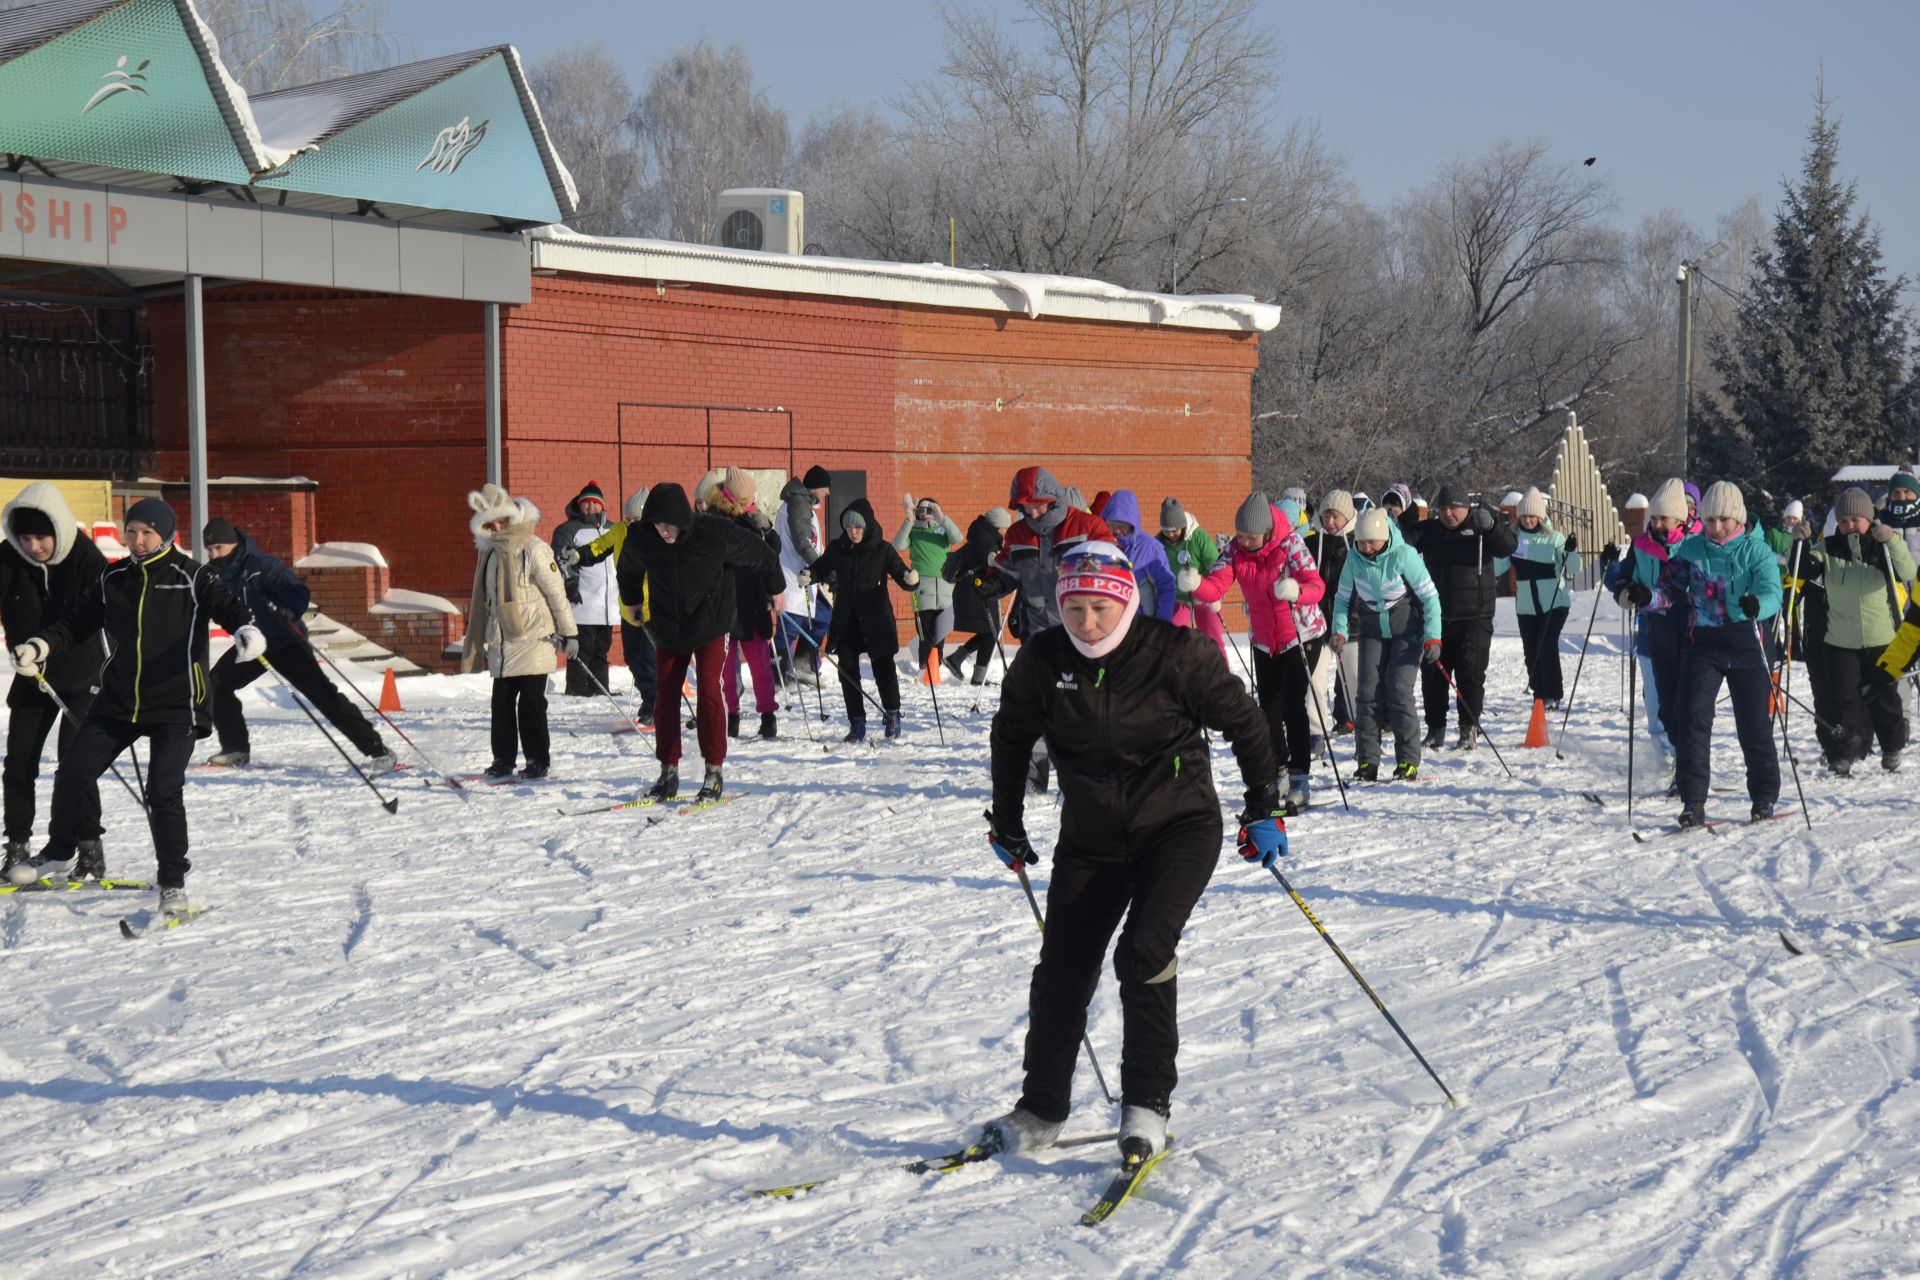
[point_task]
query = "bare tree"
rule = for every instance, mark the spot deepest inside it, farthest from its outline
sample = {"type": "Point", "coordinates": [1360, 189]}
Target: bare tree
{"type": "Point", "coordinates": [276, 44]}
{"type": "Point", "coordinates": [706, 128]}
{"type": "Point", "coordinates": [589, 111]}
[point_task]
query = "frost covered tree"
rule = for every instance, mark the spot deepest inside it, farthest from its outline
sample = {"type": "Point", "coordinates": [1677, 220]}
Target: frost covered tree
{"type": "Point", "coordinates": [704, 128]}
{"type": "Point", "coordinates": [590, 112]}
{"type": "Point", "coordinates": [1816, 369]}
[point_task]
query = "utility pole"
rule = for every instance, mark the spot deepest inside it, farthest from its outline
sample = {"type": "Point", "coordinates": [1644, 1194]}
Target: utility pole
{"type": "Point", "coordinates": [1683, 363]}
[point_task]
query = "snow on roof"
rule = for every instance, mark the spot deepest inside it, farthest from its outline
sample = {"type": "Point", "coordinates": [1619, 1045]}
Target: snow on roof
{"type": "Point", "coordinates": [398, 600]}
{"type": "Point", "coordinates": [928, 284]}
{"type": "Point", "coordinates": [1847, 475]}
{"type": "Point", "coordinates": [1636, 501]}
{"type": "Point", "coordinates": [342, 555]}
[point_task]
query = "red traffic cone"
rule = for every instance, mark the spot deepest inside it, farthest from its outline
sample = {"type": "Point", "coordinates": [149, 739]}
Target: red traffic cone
{"type": "Point", "coordinates": [932, 674]}
{"type": "Point", "coordinates": [390, 695]}
{"type": "Point", "coordinates": [1537, 726]}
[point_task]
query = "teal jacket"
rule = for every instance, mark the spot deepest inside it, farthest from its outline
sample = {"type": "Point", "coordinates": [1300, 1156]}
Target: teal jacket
{"type": "Point", "coordinates": [1382, 591]}
{"type": "Point", "coordinates": [1542, 568]}
{"type": "Point", "coordinates": [1719, 573]}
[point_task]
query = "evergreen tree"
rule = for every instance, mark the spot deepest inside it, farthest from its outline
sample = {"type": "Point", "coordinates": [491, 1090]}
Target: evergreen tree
{"type": "Point", "coordinates": [1815, 371]}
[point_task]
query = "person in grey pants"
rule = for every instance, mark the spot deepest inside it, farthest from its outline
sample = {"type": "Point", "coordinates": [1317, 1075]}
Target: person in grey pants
{"type": "Point", "coordinates": [1387, 602]}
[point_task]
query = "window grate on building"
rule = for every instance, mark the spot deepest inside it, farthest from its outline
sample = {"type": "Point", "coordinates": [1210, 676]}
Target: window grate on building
{"type": "Point", "coordinates": [76, 394]}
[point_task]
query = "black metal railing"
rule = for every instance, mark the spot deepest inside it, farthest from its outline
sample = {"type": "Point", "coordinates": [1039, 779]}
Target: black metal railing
{"type": "Point", "coordinates": [76, 394]}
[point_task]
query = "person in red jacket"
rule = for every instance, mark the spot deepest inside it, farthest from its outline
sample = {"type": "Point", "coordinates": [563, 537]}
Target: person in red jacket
{"type": "Point", "coordinates": [1282, 588]}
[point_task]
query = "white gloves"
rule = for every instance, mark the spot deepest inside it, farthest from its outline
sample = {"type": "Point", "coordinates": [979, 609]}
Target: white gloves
{"type": "Point", "coordinates": [1213, 604]}
{"type": "Point", "coordinates": [804, 578]}
{"type": "Point", "coordinates": [1286, 590]}
{"type": "Point", "coordinates": [569, 556]}
{"type": "Point", "coordinates": [249, 644]}
{"type": "Point", "coordinates": [913, 577]}
{"type": "Point", "coordinates": [1338, 641]}
{"type": "Point", "coordinates": [1187, 580]}
{"type": "Point", "coordinates": [29, 658]}
{"type": "Point", "coordinates": [906, 500]}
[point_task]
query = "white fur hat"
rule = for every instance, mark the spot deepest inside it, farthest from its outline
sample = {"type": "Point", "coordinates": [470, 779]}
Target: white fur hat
{"type": "Point", "coordinates": [1669, 501]}
{"type": "Point", "coordinates": [1723, 500]}
{"type": "Point", "coordinates": [1533, 504]}
{"type": "Point", "coordinates": [1794, 511]}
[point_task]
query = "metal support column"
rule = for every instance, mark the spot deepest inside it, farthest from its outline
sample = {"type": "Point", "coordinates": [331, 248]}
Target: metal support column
{"type": "Point", "coordinates": [197, 413]}
{"type": "Point", "coordinates": [495, 469]}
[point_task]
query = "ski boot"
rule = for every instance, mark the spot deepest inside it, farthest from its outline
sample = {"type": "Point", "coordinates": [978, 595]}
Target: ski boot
{"type": "Point", "coordinates": [1143, 1130]}
{"type": "Point", "coordinates": [173, 902]}
{"type": "Point", "coordinates": [1366, 772]}
{"type": "Point", "coordinates": [979, 672]}
{"type": "Point", "coordinates": [1020, 1131]}
{"type": "Point", "coordinates": [1296, 794]}
{"type": "Point", "coordinates": [893, 725]}
{"type": "Point", "coordinates": [1890, 760]}
{"type": "Point", "coordinates": [13, 855]}
{"type": "Point", "coordinates": [381, 761]}
{"type": "Point", "coordinates": [1764, 810]}
{"type": "Point", "coordinates": [1692, 816]}
{"type": "Point", "coordinates": [534, 772]}
{"type": "Point", "coordinates": [1469, 738]}
{"type": "Point", "coordinates": [768, 727]}
{"type": "Point", "coordinates": [1436, 738]}
{"type": "Point", "coordinates": [646, 718]}
{"type": "Point", "coordinates": [733, 724]}
{"type": "Point", "coordinates": [230, 759]}
{"type": "Point", "coordinates": [667, 786]}
{"type": "Point", "coordinates": [1406, 771]}
{"type": "Point", "coordinates": [856, 731]}
{"type": "Point", "coordinates": [1841, 768]}
{"type": "Point", "coordinates": [47, 865]}
{"type": "Point", "coordinates": [90, 863]}
{"type": "Point", "coordinates": [496, 771]}
{"type": "Point", "coordinates": [710, 787]}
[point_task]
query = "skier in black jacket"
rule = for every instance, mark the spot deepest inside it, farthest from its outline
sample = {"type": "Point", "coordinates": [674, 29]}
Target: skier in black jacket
{"type": "Point", "coordinates": [673, 563]}
{"type": "Point", "coordinates": [1460, 544]}
{"type": "Point", "coordinates": [858, 564]}
{"type": "Point", "coordinates": [974, 611]}
{"type": "Point", "coordinates": [46, 565]}
{"type": "Point", "coordinates": [154, 606]}
{"type": "Point", "coordinates": [1122, 702]}
{"type": "Point", "coordinates": [278, 600]}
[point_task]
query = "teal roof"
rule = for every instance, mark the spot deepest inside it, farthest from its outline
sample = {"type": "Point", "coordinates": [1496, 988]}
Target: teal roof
{"type": "Point", "coordinates": [133, 92]}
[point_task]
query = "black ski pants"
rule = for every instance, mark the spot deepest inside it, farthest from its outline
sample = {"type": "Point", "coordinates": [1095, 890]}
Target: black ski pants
{"type": "Point", "coordinates": [596, 642]}
{"type": "Point", "coordinates": [1733, 654]}
{"type": "Point", "coordinates": [1465, 647]}
{"type": "Point", "coordinates": [1281, 680]}
{"type": "Point", "coordinates": [1869, 708]}
{"type": "Point", "coordinates": [1540, 641]}
{"type": "Point", "coordinates": [295, 664]}
{"type": "Point", "coordinates": [637, 647]}
{"type": "Point", "coordinates": [886, 679]}
{"type": "Point", "coordinates": [94, 748]}
{"type": "Point", "coordinates": [1155, 892]}
{"type": "Point", "coordinates": [30, 717]}
{"type": "Point", "coordinates": [520, 721]}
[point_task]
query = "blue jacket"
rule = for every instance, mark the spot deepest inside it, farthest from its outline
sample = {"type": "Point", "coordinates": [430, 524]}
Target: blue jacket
{"type": "Point", "coordinates": [1722, 572]}
{"type": "Point", "coordinates": [1149, 558]}
{"type": "Point", "coordinates": [1542, 568]}
{"type": "Point", "coordinates": [1382, 590]}
{"type": "Point", "coordinates": [265, 585]}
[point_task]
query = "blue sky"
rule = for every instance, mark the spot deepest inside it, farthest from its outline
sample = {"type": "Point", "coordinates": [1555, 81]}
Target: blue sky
{"type": "Point", "coordinates": [1689, 103]}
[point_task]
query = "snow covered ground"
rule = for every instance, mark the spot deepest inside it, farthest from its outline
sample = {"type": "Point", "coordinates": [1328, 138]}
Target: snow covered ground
{"type": "Point", "coordinates": [480, 1039]}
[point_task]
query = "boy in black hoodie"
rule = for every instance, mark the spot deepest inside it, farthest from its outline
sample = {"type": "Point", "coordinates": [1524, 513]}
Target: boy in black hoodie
{"type": "Point", "coordinates": [859, 562]}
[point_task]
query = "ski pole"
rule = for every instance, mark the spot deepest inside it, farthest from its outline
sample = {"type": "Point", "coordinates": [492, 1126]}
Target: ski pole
{"type": "Point", "coordinates": [789, 680]}
{"type": "Point", "coordinates": [1785, 741]}
{"type": "Point", "coordinates": [139, 797]}
{"type": "Point", "coordinates": [346, 679]}
{"type": "Point", "coordinates": [390, 805]}
{"type": "Point", "coordinates": [140, 781]}
{"type": "Point", "coordinates": [871, 700]}
{"type": "Point", "coordinates": [1253, 686]}
{"type": "Point", "coordinates": [1478, 721]}
{"type": "Point", "coordinates": [1326, 739]}
{"type": "Point", "coordinates": [1633, 669]}
{"type": "Point", "coordinates": [933, 685]}
{"type": "Point", "coordinates": [1568, 711]}
{"type": "Point", "coordinates": [601, 686]}
{"type": "Point", "coordinates": [1086, 1040]}
{"type": "Point", "coordinates": [1326, 937]}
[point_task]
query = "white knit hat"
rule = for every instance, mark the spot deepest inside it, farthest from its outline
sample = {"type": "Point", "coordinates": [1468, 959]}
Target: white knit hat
{"type": "Point", "coordinates": [1375, 526]}
{"type": "Point", "coordinates": [1723, 500]}
{"type": "Point", "coordinates": [1794, 511]}
{"type": "Point", "coordinates": [1338, 500]}
{"type": "Point", "coordinates": [1534, 504]}
{"type": "Point", "coordinates": [1669, 501]}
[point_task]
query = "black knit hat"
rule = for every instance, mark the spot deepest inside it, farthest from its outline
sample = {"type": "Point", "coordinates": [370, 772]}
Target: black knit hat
{"type": "Point", "coordinates": [218, 531]}
{"type": "Point", "coordinates": [156, 515]}
{"type": "Point", "coordinates": [1452, 495]}
{"type": "Point", "coordinates": [31, 522]}
{"type": "Point", "coordinates": [817, 478]}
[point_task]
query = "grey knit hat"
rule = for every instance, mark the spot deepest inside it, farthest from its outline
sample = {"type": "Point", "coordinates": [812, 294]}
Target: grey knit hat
{"type": "Point", "coordinates": [853, 520]}
{"type": "Point", "coordinates": [1669, 502]}
{"type": "Point", "coordinates": [1854, 504]}
{"type": "Point", "coordinates": [1000, 518]}
{"type": "Point", "coordinates": [1255, 514]}
{"type": "Point", "coordinates": [1172, 514]}
{"type": "Point", "coordinates": [1723, 500]}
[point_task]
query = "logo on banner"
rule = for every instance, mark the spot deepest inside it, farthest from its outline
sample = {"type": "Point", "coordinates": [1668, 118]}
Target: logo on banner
{"type": "Point", "coordinates": [119, 81]}
{"type": "Point", "coordinates": [452, 145]}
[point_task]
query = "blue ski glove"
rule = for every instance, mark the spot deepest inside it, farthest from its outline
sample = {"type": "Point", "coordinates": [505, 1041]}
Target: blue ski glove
{"type": "Point", "coordinates": [1013, 851]}
{"type": "Point", "coordinates": [1263, 828]}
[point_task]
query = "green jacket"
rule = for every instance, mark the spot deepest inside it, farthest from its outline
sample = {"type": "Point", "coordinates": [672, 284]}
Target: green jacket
{"type": "Point", "coordinates": [1543, 567]}
{"type": "Point", "coordinates": [1862, 612]}
{"type": "Point", "coordinates": [926, 547]}
{"type": "Point", "coordinates": [1196, 550]}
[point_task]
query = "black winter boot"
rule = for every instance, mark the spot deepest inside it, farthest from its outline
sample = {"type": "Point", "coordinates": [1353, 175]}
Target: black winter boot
{"type": "Point", "coordinates": [893, 724]}
{"type": "Point", "coordinates": [733, 724]}
{"type": "Point", "coordinates": [768, 727]}
{"type": "Point", "coordinates": [90, 863]}
{"type": "Point", "coordinates": [668, 784]}
{"type": "Point", "coordinates": [710, 787]}
{"type": "Point", "coordinates": [856, 732]}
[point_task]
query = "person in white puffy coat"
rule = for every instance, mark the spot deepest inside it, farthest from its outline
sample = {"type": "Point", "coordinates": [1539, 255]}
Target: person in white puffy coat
{"type": "Point", "coordinates": [518, 620]}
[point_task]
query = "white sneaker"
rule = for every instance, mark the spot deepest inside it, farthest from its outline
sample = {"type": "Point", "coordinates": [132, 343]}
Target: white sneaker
{"type": "Point", "coordinates": [382, 763]}
{"type": "Point", "coordinates": [1021, 1131]}
{"type": "Point", "coordinates": [173, 902]}
{"type": "Point", "coordinates": [229, 759]}
{"type": "Point", "coordinates": [1143, 1125]}
{"type": "Point", "coordinates": [40, 868]}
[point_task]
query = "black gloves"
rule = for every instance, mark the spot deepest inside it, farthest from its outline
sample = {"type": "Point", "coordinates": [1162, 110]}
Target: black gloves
{"type": "Point", "coordinates": [1609, 554]}
{"type": "Point", "coordinates": [1263, 802]}
{"type": "Point", "coordinates": [1483, 518]}
{"type": "Point", "coordinates": [1750, 605]}
{"type": "Point", "coordinates": [1573, 544]}
{"type": "Point", "coordinates": [1640, 593]}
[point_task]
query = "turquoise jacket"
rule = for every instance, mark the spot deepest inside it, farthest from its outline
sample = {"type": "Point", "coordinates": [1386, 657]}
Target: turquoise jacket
{"type": "Point", "coordinates": [1382, 590]}
{"type": "Point", "coordinates": [1542, 568]}
{"type": "Point", "coordinates": [1719, 573]}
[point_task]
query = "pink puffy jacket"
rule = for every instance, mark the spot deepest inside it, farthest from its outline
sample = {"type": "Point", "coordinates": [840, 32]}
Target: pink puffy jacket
{"type": "Point", "coordinates": [1278, 625]}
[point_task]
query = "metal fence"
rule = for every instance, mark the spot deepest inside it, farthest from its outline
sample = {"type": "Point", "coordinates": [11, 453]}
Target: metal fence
{"type": "Point", "coordinates": [75, 399]}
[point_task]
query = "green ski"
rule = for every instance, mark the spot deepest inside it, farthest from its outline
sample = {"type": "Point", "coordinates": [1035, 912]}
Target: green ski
{"type": "Point", "coordinates": [1133, 1171]}
{"type": "Point", "coordinates": [71, 886]}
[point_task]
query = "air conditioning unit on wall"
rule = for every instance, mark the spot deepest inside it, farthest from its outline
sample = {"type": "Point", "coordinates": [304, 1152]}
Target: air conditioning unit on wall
{"type": "Point", "coordinates": [761, 218]}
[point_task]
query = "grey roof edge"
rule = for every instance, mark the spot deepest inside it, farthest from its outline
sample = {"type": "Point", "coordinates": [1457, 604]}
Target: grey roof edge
{"type": "Point", "coordinates": [235, 109]}
{"type": "Point", "coordinates": [25, 29]}
{"type": "Point", "coordinates": [346, 101]}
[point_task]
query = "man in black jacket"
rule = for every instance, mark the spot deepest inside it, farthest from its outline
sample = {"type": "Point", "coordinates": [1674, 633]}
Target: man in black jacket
{"type": "Point", "coordinates": [673, 561]}
{"type": "Point", "coordinates": [154, 607]}
{"type": "Point", "coordinates": [278, 600]}
{"type": "Point", "coordinates": [46, 565]}
{"type": "Point", "coordinates": [1460, 543]}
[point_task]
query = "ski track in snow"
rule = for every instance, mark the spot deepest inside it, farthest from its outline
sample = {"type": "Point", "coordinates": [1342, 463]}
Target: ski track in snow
{"type": "Point", "coordinates": [480, 1039]}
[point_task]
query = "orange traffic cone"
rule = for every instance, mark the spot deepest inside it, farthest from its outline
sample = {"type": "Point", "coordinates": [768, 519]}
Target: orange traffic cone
{"type": "Point", "coordinates": [390, 695]}
{"type": "Point", "coordinates": [932, 674]}
{"type": "Point", "coordinates": [1537, 727]}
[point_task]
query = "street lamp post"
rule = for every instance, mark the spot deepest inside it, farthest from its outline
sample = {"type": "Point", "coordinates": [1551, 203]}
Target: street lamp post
{"type": "Point", "coordinates": [1683, 368]}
